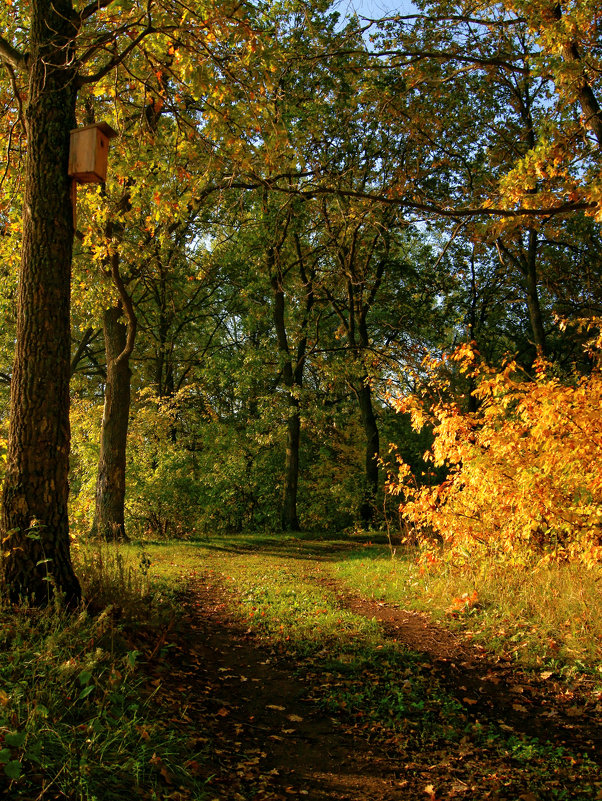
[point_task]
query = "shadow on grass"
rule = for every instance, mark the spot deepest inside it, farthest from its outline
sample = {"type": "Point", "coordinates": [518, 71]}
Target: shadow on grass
{"type": "Point", "coordinates": [304, 546]}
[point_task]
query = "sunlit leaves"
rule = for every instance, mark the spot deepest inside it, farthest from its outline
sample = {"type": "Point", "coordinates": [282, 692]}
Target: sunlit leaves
{"type": "Point", "coordinates": [523, 472]}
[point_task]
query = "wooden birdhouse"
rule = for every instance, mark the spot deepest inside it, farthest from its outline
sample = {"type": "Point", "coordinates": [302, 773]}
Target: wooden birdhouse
{"type": "Point", "coordinates": [89, 151]}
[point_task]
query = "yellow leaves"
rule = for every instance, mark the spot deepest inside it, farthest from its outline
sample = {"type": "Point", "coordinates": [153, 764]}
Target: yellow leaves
{"type": "Point", "coordinates": [524, 481]}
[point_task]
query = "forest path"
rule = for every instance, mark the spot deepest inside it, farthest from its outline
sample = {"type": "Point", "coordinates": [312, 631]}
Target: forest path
{"type": "Point", "coordinates": [270, 724]}
{"type": "Point", "coordinates": [263, 738]}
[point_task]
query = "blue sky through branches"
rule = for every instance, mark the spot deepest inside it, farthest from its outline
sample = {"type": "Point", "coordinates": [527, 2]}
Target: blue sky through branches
{"type": "Point", "coordinates": [375, 9]}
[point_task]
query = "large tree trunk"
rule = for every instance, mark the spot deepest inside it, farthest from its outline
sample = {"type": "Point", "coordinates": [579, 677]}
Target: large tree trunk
{"type": "Point", "coordinates": [34, 523]}
{"type": "Point", "coordinates": [109, 513]}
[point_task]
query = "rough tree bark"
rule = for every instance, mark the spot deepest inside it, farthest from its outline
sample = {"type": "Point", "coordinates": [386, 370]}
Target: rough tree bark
{"type": "Point", "coordinates": [33, 520]}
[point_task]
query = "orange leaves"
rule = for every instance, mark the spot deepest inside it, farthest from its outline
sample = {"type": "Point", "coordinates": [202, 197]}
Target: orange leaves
{"type": "Point", "coordinates": [464, 603]}
{"type": "Point", "coordinates": [524, 481]}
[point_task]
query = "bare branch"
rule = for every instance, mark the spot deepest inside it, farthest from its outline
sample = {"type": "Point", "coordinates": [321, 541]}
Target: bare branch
{"type": "Point", "coordinates": [117, 59]}
{"type": "Point", "coordinates": [88, 336]}
{"type": "Point", "coordinates": [92, 8]}
{"type": "Point", "coordinates": [430, 208]}
{"type": "Point", "coordinates": [452, 18]}
{"type": "Point", "coordinates": [109, 37]}
{"type": "Point", "coordinates": [10, 55]}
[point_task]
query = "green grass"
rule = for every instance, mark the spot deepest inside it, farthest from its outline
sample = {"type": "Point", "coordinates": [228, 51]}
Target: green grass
{"type": "Point", "coordinates": [360, 677]}
{"type": "Point", "coordinates": [74, 716]}
{"type": "Point", "coordinates": [77, 720]}
{"type": "Point", "coordinates": [550, 616]}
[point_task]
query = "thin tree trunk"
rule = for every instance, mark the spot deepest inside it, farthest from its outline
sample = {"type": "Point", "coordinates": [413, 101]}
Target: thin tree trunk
{"type": "Point", "coordinates": [289, 518]}
{"type": "Point", "coordinates": [34, 522]}
{"type": "Point", "coordinates": [535, 316]}
{"type": "Point", "coordinates": [526, 263]}
{"type": "Point", "coordinates": [364, 397]}
{"type": "Point", "coordinates": [109, 522]}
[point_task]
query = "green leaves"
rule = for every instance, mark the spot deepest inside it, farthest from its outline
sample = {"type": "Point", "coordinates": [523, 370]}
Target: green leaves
{"type": "Point", "coordinates": [14, 739]}
{"type": "Point", "coordinates": [11, 766]}
{"type": "Point", "coordinates": [13, 769]}
{"type": "Point", "coordinates": [84, 677]}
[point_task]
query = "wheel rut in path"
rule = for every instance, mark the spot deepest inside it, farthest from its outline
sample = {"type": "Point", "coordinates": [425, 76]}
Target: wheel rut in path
{"type": "Point", "coordinates": [263, 740]}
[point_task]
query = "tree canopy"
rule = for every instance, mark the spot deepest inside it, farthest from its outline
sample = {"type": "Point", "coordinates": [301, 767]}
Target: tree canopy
{"type": "Point", "coordinates": [305, 216]}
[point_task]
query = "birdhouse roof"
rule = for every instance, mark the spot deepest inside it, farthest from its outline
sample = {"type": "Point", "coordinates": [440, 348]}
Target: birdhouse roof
{"type": "Point", "coordinates": [102, 126]}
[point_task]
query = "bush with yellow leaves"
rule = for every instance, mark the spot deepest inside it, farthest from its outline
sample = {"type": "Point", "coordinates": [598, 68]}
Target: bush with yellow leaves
{"type": "Point", "coordinates": [524, 480]}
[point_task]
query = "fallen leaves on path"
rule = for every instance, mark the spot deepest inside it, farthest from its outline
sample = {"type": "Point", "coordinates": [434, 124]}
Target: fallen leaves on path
{"type": "Point", "coordinates": [460, 726]}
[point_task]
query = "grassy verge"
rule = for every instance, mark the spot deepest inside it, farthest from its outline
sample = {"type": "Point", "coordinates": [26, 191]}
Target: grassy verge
{"type": "Point", "coordinates": [77, 720]}
{"type": "Point", "coordinates": [548, 617]}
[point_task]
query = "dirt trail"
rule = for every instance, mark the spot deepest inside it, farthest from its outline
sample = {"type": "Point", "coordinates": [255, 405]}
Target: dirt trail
{"type": "Point", "coordinates": [534, 704]}
{"type": "Point", "coordinates": [265, 740]}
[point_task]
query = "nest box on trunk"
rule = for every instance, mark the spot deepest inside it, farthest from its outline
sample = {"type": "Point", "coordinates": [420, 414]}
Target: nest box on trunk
{"type": "Point", "coordinates": [88, 153]}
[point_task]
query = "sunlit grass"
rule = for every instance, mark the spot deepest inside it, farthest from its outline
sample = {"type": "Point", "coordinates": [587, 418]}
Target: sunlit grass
{"type": "Point", "coordinates": [551, 614]}
{"type": "Point", "coordinates": [274, 587]}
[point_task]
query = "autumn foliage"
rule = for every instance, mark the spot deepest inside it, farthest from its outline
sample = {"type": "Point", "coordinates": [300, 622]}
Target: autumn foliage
{"type": "Point", "coordinates": [523, 479]}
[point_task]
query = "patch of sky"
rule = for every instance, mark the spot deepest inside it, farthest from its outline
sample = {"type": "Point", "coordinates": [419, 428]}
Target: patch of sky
{"type": "Point", "coordinates": [374, 9]}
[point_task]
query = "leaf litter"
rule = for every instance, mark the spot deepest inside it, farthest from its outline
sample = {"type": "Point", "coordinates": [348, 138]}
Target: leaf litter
{"type": "Point", "coordinates": [426, 715]}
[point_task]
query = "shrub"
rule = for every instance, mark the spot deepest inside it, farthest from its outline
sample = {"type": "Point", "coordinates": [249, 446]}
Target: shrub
{"type": "Point", "coordinates": [523, 480]}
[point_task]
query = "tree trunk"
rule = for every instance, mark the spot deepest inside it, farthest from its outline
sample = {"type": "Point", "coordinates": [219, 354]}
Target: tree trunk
{"type": "Point", "coordinates": [367, 508]}
{"type": "Point", "coordinates": [109, 514]}
{"type": "Point", "coordinates": [530, 273]}
{"type": "Point", "coordinates": [34, 522]}
{"type": "Point", "coordinates": [590, 108]}
{"type": "Point", "coordinates": [289, 518]}
{"type": "Point", "coordinates": [364, 397]}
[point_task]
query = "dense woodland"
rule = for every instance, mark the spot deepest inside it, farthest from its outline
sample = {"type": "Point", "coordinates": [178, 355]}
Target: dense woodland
{"type": "Point", "coordinates": [326, 244]}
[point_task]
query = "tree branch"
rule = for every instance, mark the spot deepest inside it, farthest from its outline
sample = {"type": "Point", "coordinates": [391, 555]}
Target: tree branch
{"type": "Point", "coordinates": [116, 60]}
{"type": "Point", "coordinates": [92, 8]}
{"type": "Point", "coordinates": [128, 308]}
{"type": "Point", "coordinates": [12, 56]}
